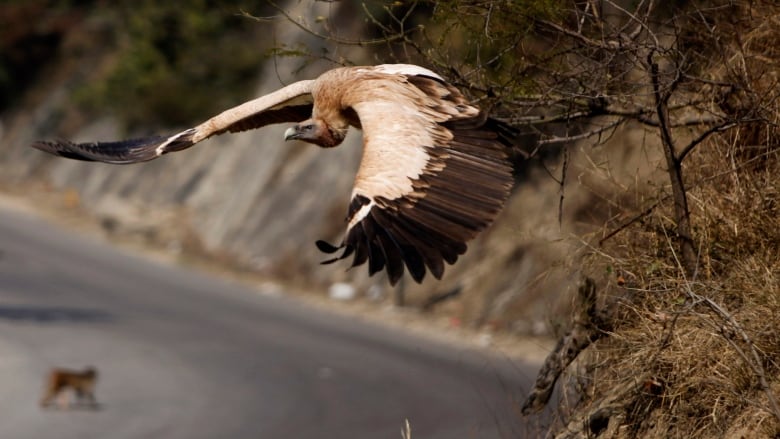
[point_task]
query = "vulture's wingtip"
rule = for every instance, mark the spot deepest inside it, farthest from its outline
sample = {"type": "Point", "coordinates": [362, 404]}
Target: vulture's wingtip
{"type": "Point", "coordinates": [61, 148]}
{"type": "Point", "coordinates": [327, 247]}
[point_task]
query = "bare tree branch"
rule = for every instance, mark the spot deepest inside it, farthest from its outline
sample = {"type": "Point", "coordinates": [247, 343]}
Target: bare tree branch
{"type": "Point", "coordinates": [674, 169]}
{"type": "Point", "coordinates": [594, 132]}
{"type": "Point", "coordinates": [329, 37]}
{"type": "Point", "coordinates": [578, 36]}
{"type": "Point", "coordinates": [703, 136]}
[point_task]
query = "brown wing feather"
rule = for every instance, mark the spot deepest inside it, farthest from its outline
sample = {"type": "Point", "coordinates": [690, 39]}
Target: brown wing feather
{"type": "Point", "coordinates": [459, 192]}
{"type": "Point", "coordinates": [435, 172]}
{"type": "Point", "coordinates": [292, 113]}
{"type": "Point", "coordinates": [292, 103]}
{"type": "Point", "coordinates": [121, 152]}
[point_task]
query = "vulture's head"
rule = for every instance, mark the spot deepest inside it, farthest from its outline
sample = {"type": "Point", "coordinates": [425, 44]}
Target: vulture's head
{"type": "Point", "coordinates": [315, 131]}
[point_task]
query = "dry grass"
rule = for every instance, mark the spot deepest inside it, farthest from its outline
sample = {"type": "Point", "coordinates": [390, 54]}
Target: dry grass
{"type": "Point", "coordinates": [702, 352]}
{"type": "Point", "coordinates": [705, 351]}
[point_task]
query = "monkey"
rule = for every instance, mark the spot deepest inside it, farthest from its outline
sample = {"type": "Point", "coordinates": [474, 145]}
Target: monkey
{"type": "Point", "coordinates": [81, 382]}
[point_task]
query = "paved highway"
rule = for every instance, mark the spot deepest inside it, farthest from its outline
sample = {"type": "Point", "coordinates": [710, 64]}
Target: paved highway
{"type": "Point", "coordinates": [184, 355]}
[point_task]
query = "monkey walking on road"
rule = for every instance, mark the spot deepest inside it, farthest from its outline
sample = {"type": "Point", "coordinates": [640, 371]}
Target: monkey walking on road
{"type": "Point", "coordinates": [82, 383]}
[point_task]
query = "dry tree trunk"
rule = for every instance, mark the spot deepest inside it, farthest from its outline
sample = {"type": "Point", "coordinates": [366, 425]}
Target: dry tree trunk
{"type": "Point", "coordinates": [588, 325]}
{"type": "Point", "coordinates": [682, 213]}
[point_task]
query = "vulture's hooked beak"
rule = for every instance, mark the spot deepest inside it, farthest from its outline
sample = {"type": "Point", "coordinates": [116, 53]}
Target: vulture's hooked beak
{"type": "Point", "coordinates": [292, 133]}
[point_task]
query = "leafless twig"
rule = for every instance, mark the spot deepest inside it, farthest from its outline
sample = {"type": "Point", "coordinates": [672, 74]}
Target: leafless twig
{"type": "Point", "coordinates": [754, 360]}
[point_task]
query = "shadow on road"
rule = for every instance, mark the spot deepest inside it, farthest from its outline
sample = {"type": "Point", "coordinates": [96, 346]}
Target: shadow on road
{"type": "Point", "coordinates": [75, 407]}
{"type": "Point", "coordinates": [52, 314]}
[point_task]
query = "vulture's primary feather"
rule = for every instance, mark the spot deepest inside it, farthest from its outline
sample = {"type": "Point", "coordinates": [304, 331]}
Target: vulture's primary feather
{"type": "Point", "coordinates": [434, 170]}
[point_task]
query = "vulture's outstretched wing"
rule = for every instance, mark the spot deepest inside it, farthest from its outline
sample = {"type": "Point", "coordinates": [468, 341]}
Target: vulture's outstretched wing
{"type": "Point", "coordinates": [434, 173]}
{"type": "Point", "coordinates": [292, 103]}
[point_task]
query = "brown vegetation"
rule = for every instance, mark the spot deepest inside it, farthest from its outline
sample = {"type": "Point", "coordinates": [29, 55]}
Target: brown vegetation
{"type": "Point", "coordinates": [691, 356]}
{"type": "Point", "coordinates": [691, 348]}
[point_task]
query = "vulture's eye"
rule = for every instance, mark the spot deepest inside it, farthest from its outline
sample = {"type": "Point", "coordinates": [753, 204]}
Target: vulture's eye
{"type": "Point", "coordinates": [308, 127]}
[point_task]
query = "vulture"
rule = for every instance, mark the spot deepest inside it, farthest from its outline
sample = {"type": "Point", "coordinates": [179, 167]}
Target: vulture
{"type": "Point", "coordinates": [435, 169]}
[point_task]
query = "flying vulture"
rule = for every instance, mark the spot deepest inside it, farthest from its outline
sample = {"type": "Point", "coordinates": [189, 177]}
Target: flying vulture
{"type": "Point", "coordinates": [435, 169]}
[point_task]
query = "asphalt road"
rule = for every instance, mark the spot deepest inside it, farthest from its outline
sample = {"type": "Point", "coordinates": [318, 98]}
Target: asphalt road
{"type": "Point", "coordinates": [183, 355]}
